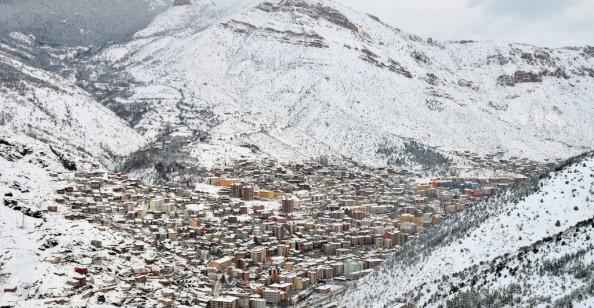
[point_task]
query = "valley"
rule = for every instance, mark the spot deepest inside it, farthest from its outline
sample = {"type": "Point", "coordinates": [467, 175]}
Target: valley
{"type": "Point", "coordinates": [255, 153]}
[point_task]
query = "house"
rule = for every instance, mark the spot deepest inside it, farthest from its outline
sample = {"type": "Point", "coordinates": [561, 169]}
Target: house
{"type": "Point", "coordinates": [225, 302]}
{"type": "Point", "coordinates": [323, 290]}
{"type": "Point", "coordinates": [283, 287]}
{"type": "Point", "coordinates": [166, 302]}
{"type": "Point", "coordinates": [221, 263]}
{"type": "Point", "coordinates": [139, 270]}
{"type": "Point", "coordinates": [81, 270]}
{"type": "Point", "coordinates": [77, 281]}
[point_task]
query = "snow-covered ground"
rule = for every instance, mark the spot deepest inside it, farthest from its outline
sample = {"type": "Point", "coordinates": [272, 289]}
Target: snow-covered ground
{"type": "Point", "coordinates": [26, 172]}
{"type": "Point", "coordinates": [26, 266]}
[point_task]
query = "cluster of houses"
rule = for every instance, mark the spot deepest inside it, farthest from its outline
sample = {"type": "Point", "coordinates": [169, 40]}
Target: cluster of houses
{"type": "Point", "coordinates": [260, 233]}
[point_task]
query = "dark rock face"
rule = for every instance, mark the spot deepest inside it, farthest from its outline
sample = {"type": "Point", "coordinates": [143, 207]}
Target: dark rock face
{"type": "Point", "coordinates": [521, 76]}
{"type": "Point", "coordinates": [588, 51]}
{"type": "Point", "coordinates": [317, 11]}
{"type": "Point", "coordinates": [524, 77]}
{"type": "Point", "coordinates": [370, 57]}
{"type": "Point", "coordinates": [506, 80]}
{"type": "Point", "coordinates": [181, 2]}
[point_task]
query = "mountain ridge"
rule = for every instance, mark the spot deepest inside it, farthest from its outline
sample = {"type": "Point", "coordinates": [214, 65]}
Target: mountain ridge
{"type": "Point", "coordinates": [270, 67]}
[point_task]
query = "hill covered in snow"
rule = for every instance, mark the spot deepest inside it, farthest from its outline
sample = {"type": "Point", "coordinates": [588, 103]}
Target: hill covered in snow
{"type": "Point", "coordinates": [50, 108]}
{"type": "Point", "coordinates": [305, 78]}
{"type": "Point", "coordinates": [31, 239]}
{"type": "Point", "coordinates": [530, 246]}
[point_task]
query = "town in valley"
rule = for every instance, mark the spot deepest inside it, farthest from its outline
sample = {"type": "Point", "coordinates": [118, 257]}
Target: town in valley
{"type": "Point", "coordinates": [255, 234]}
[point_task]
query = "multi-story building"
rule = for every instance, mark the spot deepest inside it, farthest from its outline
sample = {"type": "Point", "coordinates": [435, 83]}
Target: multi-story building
{"type": "Point", "coordinates": [225, 302]}
{"type": "Point", "coordinates": [272, 296]}
{"type": "Point", "coordinates": [351, 267]}
{"type": "Point", "coordinates": [258, 254]}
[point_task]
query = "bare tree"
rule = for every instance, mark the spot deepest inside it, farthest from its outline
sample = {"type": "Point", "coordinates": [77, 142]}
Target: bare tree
{"type": "Point", "coordinates": [168, 128]}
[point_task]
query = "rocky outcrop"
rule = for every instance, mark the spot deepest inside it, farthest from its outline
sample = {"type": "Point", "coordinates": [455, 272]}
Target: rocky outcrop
{"type": "Point", "coordinates": [370, 57]}
{"type": "Point", "coordinates": [521, 77]}
{"type": "Point", "coordinates": [288, 36]}
{"type": "Point", "coordinates": [525, 77]}
{"type": "Point", "coordinates": [314, 11]}
{"type": "Point", "coordinates": [398, 68]}
{"type": "Point", "coordinates": [181, 2]}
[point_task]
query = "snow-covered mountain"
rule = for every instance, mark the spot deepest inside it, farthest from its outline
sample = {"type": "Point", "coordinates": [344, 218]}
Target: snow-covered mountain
{"type": "Point", "coordinates": [304, 78]}
{"type": "Point", "coordinates": [52, 109]}
{"type": "Point", "coordinates": [531, 246]}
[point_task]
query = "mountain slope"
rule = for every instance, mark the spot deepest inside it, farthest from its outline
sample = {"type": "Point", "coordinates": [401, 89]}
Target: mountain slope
{"type": "Point", "coordinates": [556, 270]}
{"type": "Point", "coordinates": [30, 174]}
{"type": "Point", "coordinates": [28, 166]}
{"type": "Point", "coordinates": [50, 108]}
{"type": "Point", "coordinates": [347, 83]}
{"type": "Point", "coordinates": [475, 252]}
{"type": "Point", "coordinates": [78, 23]}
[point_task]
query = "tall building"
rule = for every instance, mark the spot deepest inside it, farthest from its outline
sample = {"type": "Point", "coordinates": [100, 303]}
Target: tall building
{"type": "Point", "coordinates": [257, 303]}
{"type": "Point", "coordinates": [279, 231]}
{"type": "Point", "coordinates": [247, 193]}
{"type": "Point", "coordinates": [272, 296]}
{"type": "Point", "coordinates": [236, 190]}
{"type": "Point", "coordinates": [351, 267]}
{"type": "Point", "coordinates": [289, 204]}
{"type": "Point", "coordinates": [258, 254]}
{"type": "Point", "coordinates": [156, 204]}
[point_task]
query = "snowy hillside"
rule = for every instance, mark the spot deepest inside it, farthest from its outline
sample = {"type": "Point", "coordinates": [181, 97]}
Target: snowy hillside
{"type": "Point", "coordinates": [39, 250]}
{"type": "Point", "coordinates": [483, 255]}
{"type": "Point", "coordinates": [29, 167]}
{"type": "Point", "coordinates": [78, 23]}
{"type": "Point", "coordinates": [25, 255]}
{"type": "Point", "coordinates": [304, 78]}
{"type": "Point", "coordinates": [50, 108]}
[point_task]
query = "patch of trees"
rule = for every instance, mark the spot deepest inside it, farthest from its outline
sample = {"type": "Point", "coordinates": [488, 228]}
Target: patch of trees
{"type": "Point", "coordinates": [170, 162]}
{"type": "Point", "coordinates": [132, 113]}
{"type": "Point", "coordinates": [413, 152]}
{"type": "Point", "coordinates": [482, 294]}
{"type": "Point", "coordinates": [66, 163]}
{"type": "Point", "coordinates": [13, 78]}
{"type": "Point", "coordinates": [98, 17]}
